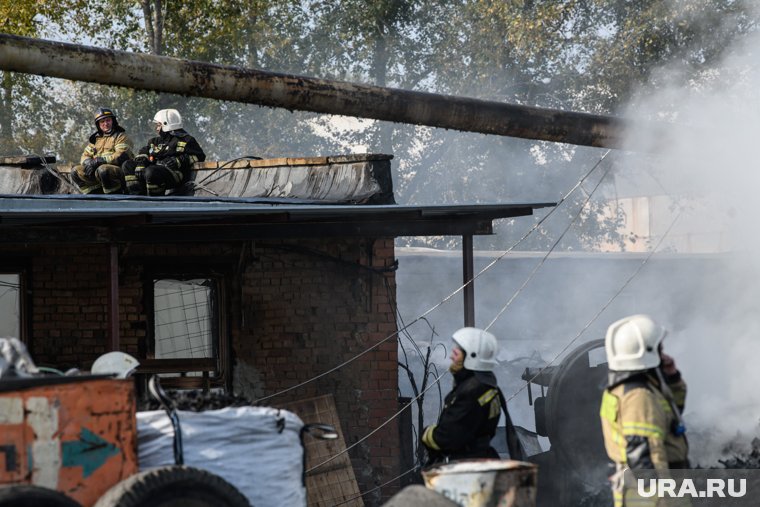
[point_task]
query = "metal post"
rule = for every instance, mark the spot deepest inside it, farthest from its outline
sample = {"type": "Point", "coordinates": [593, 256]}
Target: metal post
{"type": "Point", "coordinates": [468, 272]}
{"type": "Point", "coordinates": [113, 297]}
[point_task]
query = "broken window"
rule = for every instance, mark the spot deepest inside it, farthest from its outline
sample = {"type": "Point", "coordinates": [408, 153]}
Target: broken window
{"type": "Point", "coordinates": [183, 322]}
{"type": "Point", "coordinates": [185, 342]}
{"type": "Point", "coordinates": [10, 305]}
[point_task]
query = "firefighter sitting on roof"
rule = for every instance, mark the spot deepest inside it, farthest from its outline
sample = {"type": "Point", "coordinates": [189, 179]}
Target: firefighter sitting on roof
{"type": "Point", "coordinates": [166, 161]}
{"type": "Point", "coordinates": [99, 169]}
{"type": "Point", "coordinates": [641, 407]}
{"type": "Point", "coordinates": [471, 410]}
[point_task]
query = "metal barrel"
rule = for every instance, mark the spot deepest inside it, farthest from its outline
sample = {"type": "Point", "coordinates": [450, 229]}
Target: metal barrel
{"type": "Point", "coordinates": [485, 482]}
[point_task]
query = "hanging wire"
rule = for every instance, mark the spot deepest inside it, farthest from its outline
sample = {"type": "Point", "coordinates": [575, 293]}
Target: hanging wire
{"type": "Point", "coordinates": [444, 300]}
{"type": "Point", "coordinates": [548, 253]}
{"type": "Point", "coordinates": [328, 460]}
{"type": "Point", "coordinates": [599, 313]}
{"type": "Point", "coordinates": [413, 469]}
{"type": "Point", "coordinates": [55, 173]}
{"type": "Point", "coordinates": [564, 349]}
{"type": "Point", "coordinates": [227, 163]}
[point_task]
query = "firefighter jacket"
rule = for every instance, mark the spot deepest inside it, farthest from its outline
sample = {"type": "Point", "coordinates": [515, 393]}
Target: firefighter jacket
{"type": "Point", "coordinates": [176, 144]}
{"type": "Point", "coordinates": [115, 148]}
{"type": "Point", "coordinates": [468, 420]}
{"type": "Point", "coordinates": [639, 425]}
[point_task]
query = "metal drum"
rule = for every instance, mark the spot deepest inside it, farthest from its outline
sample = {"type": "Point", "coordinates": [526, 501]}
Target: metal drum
{"type": "Point", "coordinates": [485, 482]}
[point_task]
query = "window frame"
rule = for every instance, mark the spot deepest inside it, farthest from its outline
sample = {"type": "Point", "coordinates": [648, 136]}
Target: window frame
{"type": "Point", "coordinates": [20, 269]}
{"type": "Point", "coordinates": [215, 370]}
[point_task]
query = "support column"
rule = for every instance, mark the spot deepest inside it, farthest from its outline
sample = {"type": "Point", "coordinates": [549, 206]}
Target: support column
{"type": "Point", "coordinates": [113, 297]}
{"type": "Point", "coordinates": [468, 272]}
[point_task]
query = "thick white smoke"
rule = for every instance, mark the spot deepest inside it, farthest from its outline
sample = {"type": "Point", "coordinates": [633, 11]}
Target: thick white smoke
{"type": "Point", "coordinates": [708, 159]}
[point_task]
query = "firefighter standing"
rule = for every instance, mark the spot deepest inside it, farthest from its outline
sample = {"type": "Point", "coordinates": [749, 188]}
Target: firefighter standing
{"type": "Point", "coordinates": [165, 162]}
{"type": "Point", "coordinates": [99, 169]}
{"type": "Point", "coordinates": [471, 410]}
{"type": "Point", "coordinates": [641, 406]}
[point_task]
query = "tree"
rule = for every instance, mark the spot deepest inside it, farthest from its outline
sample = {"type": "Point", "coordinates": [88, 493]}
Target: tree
{"type": "Point", "coordinates": [22, 99]}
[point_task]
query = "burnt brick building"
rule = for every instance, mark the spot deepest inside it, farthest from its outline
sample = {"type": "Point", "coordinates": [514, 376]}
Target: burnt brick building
{"type": "Point", "coordinates": [268, 290]}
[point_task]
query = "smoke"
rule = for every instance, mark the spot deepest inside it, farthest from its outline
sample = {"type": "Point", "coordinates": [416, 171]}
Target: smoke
{"type": "Point", "coordinates": [699, 174]}
{"type": "Point", "coordinates": [707, 161]}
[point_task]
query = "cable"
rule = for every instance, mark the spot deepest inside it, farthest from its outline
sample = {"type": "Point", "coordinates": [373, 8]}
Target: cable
{"type": "Point", "coordinates": [607, 304]}
{"type": "Point", "coordinates": [54, 172]}
{"type": "Point", "coordinates": [433, 383]}
{"type": "Point", "coordinates": [436, 381]}
{"type": "Point", "coordinates": [548, 253]}
{"type": "Point", "coordinates": [444, 300]}
{"type": "Point", "coordinates": [413, 469]}
{"type": "Point", "coordinates": [246, 157]}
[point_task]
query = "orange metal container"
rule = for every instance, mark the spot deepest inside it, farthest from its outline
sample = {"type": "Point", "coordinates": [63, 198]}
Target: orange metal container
{"type": "Point", "coordinates": [77, 435]}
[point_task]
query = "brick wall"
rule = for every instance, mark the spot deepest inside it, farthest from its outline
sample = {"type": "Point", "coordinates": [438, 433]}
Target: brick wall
{"type": "Point", "coordinates": [295, 309]}
{"type": "Point", "coordinates": [309, 306]}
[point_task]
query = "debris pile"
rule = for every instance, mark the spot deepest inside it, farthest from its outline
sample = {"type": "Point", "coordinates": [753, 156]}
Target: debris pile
{"type": "Point", "coordinates": [196, 401]}
{"type": "Point", "coordinates": [747, 461]}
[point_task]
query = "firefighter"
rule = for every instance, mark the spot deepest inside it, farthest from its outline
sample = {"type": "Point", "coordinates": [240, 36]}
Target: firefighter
{"type": "Point", "coordinates": [471, 410]}
{"type": "Point", "coordinates": [165, 162]}
{"type": "Point", "coordinates": [641, 407]}
{"type": "Point", "coordinates": [99, 169]}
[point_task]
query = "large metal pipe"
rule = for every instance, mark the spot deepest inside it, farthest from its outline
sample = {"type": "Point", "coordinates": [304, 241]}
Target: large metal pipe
{"type": "Point", "coordinates": [186, 77]}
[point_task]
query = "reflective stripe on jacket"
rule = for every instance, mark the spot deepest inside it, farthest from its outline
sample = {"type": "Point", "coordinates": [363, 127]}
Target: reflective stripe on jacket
{"type": "Point", "coordinates": [115, 148]}
{"type": "Point", "coordinates": [638, 422]}
{"type": "Point", "coordinates": [468, 420]}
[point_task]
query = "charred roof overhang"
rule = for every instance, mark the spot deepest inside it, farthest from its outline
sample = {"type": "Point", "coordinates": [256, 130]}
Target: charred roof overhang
{"type": "Point", "coordinates": [109, 219]}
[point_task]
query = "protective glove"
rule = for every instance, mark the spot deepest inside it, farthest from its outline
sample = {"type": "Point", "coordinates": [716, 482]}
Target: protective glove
{"type": "Point", "coordinates": [171, 163]}
{"type": "Point", "coordinates": [142, 160]}
{"type": "Point", "coordinates": [90, 166]}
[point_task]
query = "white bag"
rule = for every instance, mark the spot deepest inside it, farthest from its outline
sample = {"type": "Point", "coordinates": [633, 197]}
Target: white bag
{"type": "Point", "coordinates": [256, 449]}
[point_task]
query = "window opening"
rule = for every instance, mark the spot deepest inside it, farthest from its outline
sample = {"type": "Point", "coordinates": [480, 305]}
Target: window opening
{"type": "Point", "coordinates": [10, 305]}
{"type": "Point", "coordinates": [184, 318]}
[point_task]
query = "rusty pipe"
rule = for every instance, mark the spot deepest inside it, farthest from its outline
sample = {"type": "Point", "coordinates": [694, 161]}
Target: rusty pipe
{"type": "Point", "coordinates": [200, 79]}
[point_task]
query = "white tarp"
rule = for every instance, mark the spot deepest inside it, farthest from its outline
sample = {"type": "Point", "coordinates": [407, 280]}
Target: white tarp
{"type": "Point", "coordinates": [256, 449]}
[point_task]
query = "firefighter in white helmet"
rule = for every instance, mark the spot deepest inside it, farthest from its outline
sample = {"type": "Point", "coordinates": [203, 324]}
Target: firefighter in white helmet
{"type": "Point", "coordinates": [641, 407]}
{"type": "Point", "coordinates": [471, 410]}
{"type": "Point", "coordinates": [166, 161]}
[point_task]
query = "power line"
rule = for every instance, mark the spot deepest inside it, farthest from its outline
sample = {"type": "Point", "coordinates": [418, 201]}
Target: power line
{"type": "Point", "coordinates": [599, 313]}
{"type": "Point", "coordinates": [548, 253]}
{"type": "Point", "coordinates": [413, 469]}
{"type": "Point", "coordinates": [444, 300]}
{"type": "Point", "coordinates": [433, 383]}
{"type": "Point", "coordinates": [564, 349]}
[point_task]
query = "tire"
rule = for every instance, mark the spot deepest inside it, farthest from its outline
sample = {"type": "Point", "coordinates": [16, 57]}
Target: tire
{"type": "Point", "coordinates": [173, 486]}
{"type": "Point", "coordinates": [25, 495]}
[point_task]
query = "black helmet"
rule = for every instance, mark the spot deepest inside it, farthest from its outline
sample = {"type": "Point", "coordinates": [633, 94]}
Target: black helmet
{"type": "Point", "coordinates": [103, 112]}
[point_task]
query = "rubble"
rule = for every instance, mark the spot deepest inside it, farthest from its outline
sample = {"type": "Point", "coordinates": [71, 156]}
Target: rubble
{"type": "Point", "coordinates": [746, 461]}
{"type": "Point", "coordinates": [195, 401]}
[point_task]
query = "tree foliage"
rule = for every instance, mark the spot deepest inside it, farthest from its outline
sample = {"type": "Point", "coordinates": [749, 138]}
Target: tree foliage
{"type": "Point", "coordinates": [585, 55]}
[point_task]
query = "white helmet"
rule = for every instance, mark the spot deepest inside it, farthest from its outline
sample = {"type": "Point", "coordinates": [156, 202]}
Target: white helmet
{"type": "Point", "coordinates": [117, 363]}
{"type": "Point", "coordinates": [632, 343]}
{"type": "Point", "coordinates": [480, 348]}
{"type": "Point", "coordinates": [169, 119]}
